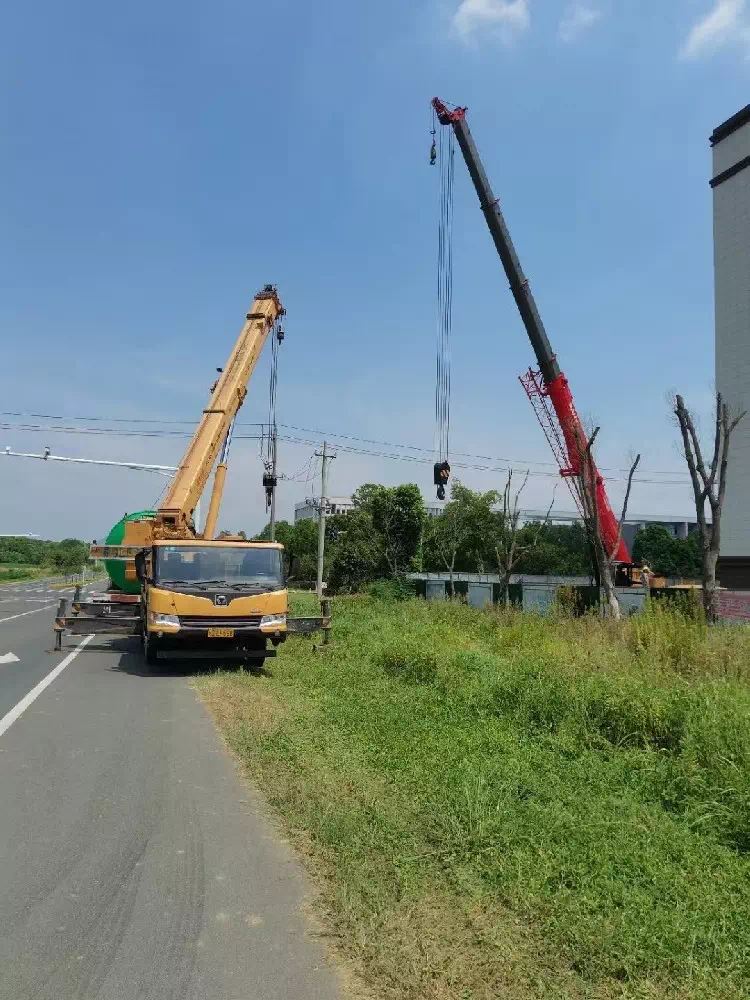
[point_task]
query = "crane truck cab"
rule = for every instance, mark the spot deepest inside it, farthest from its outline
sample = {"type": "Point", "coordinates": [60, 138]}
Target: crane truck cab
{"type": "Point", "coordinates": [221, 596]}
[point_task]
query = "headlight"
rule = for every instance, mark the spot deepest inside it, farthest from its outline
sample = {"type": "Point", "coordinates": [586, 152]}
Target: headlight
{"type": "Point", "coordinates": [157, 619]}
{"type": "Point", "coordinates": [276, 620]}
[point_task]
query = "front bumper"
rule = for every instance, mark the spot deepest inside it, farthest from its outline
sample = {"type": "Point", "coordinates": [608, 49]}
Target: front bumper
{"type": "Point", "coordinates": [243, 635]}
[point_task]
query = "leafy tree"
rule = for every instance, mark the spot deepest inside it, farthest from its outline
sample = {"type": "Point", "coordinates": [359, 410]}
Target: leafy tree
{"type": "Point", "coordinates": [70, 556]}
{"type": "Point", "coordinates": [363, 497]}
{"type": "Point", "coordinates": [300, 541]}
{"type": "Point", "coordinates": [562, 550]}
{"type": "Point", "coordinates": [398, 517]}
{"type": "Point", "coordinates": [284, 532]}
{"type": "Point", "coordinates": [690, 563]}
{"type": "Point", "coordinates": [454, 537]}
{"type": "Point", "coordinates": [302, 552]}
{"type": "Point", "coordinates": [665, 554]}
{"type": "Point", "coordinates": [356, 555]}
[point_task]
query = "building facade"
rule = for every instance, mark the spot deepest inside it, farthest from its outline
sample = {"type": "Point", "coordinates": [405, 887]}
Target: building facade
{"type": "Point", "coordinates": [308, 510]}
{"type": "Point", "coordinates": [730, 183]}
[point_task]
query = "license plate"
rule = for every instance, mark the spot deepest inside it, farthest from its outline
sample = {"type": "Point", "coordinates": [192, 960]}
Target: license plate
{"type": "Point", "coordinates": [221, 633]}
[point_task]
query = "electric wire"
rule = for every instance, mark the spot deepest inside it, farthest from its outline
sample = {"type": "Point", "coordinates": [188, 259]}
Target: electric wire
{"type": "Point", "coordinates": [350, 449]}
{"type": "Point", "coordinates": [321, 434]}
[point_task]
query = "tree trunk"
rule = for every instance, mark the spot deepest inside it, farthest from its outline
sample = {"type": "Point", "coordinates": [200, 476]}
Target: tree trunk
{"type": "Point", "coordinates": [612, 605]}
{"type": "Point", "coordinates": [710, 603]}
{"type": "Point", "coordinates": [505, 592]}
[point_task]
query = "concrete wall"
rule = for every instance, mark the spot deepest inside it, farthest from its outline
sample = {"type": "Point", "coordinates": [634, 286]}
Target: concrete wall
{"type": "Point", "coordinates": [731, 201]}
{"type": "Point", "coordinates": [535, 593]}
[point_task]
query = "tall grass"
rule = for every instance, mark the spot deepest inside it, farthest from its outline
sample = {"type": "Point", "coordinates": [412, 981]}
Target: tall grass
{"type": "Point", "coordinates": [14, 574]}
{"type": "Point", "coordinates": [516, 805]}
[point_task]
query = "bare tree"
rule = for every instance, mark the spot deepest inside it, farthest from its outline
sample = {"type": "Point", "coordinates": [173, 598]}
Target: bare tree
{"type": "Point", "coordinates": [709, 485]}
{"type": "Point", "coordinates": [508, 550]}
{"type": "Point", "coordinates": [605, 561]}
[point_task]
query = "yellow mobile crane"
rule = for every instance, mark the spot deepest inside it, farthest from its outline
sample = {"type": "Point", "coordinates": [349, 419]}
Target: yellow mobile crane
{"type": "Point", "coordinates": [190, 591]}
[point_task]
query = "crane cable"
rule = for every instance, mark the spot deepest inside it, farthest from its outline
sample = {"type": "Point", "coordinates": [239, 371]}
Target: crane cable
{"type": "Point", "coordinates": [269, 442]}
{"type": "Point", "coordinates": [445, 157]}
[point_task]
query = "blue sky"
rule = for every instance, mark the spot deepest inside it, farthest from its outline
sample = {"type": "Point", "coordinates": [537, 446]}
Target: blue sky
{"type": "Point", "coordinates": [161, 161]}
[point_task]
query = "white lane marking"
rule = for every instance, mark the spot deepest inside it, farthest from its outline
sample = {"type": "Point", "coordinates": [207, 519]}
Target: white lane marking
{"type": "Point", "coordinates": [9, 658]}
{"type": "Point", "coordinates": [32, 612]}
{"type": "Point", "coordinates": [17, 711]}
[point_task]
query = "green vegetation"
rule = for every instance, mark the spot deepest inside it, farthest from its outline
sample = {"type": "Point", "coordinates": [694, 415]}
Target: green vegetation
{"type": "Point", "coordinates": [667, 555]}
{"type": "Point", "coordinates": [500, 804]}
{"type": "Point", "coordinates": [388, 534]}
{"type": "Point", "coordinates": [29, 558]}
{"type": "Point", "coordinates": [13, 574]}
{"type": "Point", "coordinates": [382, 537]}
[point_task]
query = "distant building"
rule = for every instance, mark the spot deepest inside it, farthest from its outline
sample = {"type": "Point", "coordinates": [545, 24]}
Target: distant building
{"type": "Point", "coordinates": [307, 510]}
{"type": "Point", "coordinates": [340, 505]}
{"type": "Point", "coordinates": [730, 183]}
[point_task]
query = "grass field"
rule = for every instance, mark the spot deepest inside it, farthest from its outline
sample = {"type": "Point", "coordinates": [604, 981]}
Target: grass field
{"type": "Point", "coordinates": [499, 805]}
{"type": "Point", "coordinates": [13, 573]}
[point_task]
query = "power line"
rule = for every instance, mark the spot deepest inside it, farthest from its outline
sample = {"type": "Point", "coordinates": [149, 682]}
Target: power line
{"type": "Point", "coordinates": [348, 449]}
{"type": "Point", "coordinates": [117, 432]}
{"type": "Point", "coordinates": [514, 463]}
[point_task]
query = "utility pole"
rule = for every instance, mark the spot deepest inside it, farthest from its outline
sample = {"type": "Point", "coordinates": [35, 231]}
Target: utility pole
{"type": "Point", "coordinates": [322, 514]}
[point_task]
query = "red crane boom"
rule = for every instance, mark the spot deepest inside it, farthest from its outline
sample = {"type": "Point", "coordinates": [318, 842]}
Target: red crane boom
{"type": "Point", "coordinates": [547, 388]}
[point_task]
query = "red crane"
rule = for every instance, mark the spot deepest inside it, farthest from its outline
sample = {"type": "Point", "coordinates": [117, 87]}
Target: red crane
{"type": "Point", "coordinates": [547, 387]}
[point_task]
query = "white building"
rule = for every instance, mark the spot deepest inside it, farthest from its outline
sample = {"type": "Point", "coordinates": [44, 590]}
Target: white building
{"type": "Point", "coordinates": [307, 510]}
{"type": "Point", "coordinates": [731, 201]}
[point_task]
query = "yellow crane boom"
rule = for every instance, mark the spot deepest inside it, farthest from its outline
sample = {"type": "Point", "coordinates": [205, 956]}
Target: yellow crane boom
{"type": "Point", "coordinates": [175, 513]}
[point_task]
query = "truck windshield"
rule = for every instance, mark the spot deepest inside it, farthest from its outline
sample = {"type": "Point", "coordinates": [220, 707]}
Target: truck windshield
{"type": "Point", "coordinates": [228, 565]}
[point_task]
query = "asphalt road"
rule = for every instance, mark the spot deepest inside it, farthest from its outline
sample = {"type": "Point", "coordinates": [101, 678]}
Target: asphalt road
{"type": "Point", "coordinates": [134, 862]}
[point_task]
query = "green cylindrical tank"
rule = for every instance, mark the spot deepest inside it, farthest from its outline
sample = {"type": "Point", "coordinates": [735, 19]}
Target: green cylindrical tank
{"type": "Point", "coordinates": [116, 569]}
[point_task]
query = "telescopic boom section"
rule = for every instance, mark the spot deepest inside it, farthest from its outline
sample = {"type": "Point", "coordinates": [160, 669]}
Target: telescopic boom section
{"type": "Point", "coordinates": [227, 397]}
{"type": "Point", "coordinates": [555, 383]}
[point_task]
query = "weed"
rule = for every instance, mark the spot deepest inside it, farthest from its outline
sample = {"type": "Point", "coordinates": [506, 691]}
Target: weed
{"type": "Point", "coordinates": [409, 663]}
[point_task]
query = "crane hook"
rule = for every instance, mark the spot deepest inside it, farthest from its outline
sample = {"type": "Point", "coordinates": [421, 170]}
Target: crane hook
{"type": "Point", "coordinates": [441, 475]}
{"type": "Point", "coordinates": [433, 152]}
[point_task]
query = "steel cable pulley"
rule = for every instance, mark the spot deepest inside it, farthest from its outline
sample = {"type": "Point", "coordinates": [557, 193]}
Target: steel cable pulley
{"type": "Point", "coordinates": [445, 157]}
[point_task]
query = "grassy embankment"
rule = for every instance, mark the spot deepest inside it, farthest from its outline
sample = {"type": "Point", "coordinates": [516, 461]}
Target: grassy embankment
{"type": "Point", "coordinates": [499, 805]}
{"type": "Point", "coordinates": [20, 574]}
{"type": "Point", "coordinates": [14, 574]}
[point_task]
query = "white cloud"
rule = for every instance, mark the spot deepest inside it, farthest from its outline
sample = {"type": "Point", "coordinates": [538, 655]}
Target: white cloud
{"type": "Point", "coordinates": [578, 17]}
{"type": "Point", "coordinates": [509, 16]}
{"type": "Point", "coordinates": [724, 24]}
